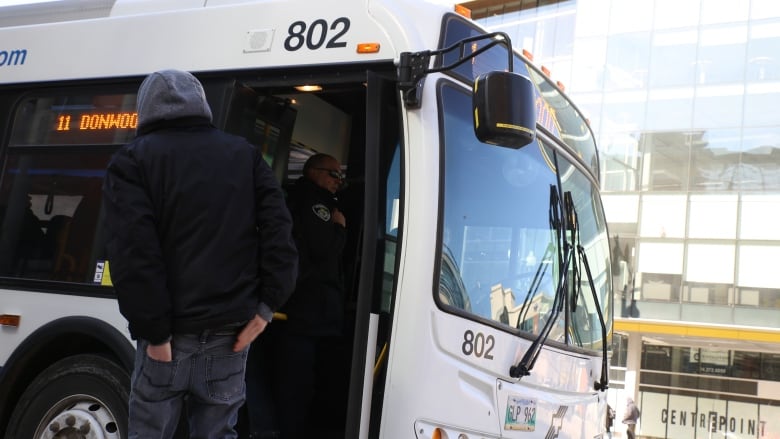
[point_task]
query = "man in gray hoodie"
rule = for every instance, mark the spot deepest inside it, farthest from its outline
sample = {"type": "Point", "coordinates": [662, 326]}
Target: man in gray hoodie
{"type": "Point", "coordinates": [201, 254]}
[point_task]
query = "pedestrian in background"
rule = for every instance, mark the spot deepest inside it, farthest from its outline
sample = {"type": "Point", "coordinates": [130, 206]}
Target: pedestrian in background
{"type": "Point", "coordinates": [610, 420]}
{"type": "Point", "coordinates": [630, 418]}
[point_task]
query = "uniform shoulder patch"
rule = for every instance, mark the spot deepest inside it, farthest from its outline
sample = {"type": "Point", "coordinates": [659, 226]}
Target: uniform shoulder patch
{"type": "Point", "coordinates": [321, 211]}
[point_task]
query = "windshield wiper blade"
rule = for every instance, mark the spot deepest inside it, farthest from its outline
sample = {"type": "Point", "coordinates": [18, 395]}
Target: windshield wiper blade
{"type": "Point", "coordinates": [603, 382]}
{"type": "Point", "coordinates": [571, 222]}
{"type": "Point", "coordinates": [574, 225]}
{"type": "Point", "coordinates": [523, 368]}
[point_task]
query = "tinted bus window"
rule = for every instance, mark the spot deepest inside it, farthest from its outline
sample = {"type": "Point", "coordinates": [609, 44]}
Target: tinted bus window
{"type": "Point", "coordinates": [51, 183]}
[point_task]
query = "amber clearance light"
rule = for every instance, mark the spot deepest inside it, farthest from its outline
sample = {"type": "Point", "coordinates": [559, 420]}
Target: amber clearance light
{"type": "Point", "coordinates": [462, 10]}
{"type": "Point", "coordinates": [10, 320]}
{"type": "Point", "coordinates": [368, 48]}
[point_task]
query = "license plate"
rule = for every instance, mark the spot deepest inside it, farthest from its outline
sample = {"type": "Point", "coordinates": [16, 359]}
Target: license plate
{"type": "Point", "coordinates": [520, 413]}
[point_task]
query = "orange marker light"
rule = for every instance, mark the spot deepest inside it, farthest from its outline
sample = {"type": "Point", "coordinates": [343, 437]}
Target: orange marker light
{"type": "Point", "coordinates": [10, 320]}
{"type": "Point", "coordinates": [368, 47]}
{"type": "Point", "coordinates": [528, 55]}
{"type": "Point", "coordinates": [462, 10]}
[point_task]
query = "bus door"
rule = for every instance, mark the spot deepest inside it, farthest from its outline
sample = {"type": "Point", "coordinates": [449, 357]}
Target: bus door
{"type": "Point", "coordinates": [353, 117]}
{"type": "Point", "coordinates": [374, 280]}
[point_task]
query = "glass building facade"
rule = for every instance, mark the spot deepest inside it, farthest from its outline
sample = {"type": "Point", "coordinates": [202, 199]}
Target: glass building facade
{"type": "Point", "coordinates": [683, 97]}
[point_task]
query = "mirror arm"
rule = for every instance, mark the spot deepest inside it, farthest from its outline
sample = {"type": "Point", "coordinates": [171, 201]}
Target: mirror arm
{"type": "Point", "coordinates": [413, 66]}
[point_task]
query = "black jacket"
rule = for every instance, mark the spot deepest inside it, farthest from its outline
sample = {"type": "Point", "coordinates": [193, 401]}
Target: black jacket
{"type": "Point", "coordinates": [317, 305]}
{"type": "Point", "coordinates": [188, 210]}
{"type": "Point", "coordinates": [198, 232]}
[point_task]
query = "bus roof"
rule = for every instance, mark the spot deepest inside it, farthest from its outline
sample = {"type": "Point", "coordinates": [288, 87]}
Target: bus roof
{"type": "Point", "coordinates": [81, 39]}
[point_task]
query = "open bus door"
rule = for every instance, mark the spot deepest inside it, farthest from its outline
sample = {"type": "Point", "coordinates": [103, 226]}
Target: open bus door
{"type": "Point", "coordinates": [374, 279]}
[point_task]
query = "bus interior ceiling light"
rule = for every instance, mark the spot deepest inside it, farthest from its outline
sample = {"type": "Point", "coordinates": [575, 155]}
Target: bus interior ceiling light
{"type": "Point", "coordinates": [308, 87]}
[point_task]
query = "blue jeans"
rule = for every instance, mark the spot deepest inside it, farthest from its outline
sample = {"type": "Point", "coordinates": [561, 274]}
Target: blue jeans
{"type": "Point", "coordinates": [205, 378]}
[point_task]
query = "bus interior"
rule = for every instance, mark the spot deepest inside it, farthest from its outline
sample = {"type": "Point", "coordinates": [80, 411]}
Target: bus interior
{"type": "Point", "coordinates": [51, 186]}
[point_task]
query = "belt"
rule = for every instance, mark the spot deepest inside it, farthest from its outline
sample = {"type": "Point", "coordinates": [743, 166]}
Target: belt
{"type": "Point", "coordinates": [228, 329]}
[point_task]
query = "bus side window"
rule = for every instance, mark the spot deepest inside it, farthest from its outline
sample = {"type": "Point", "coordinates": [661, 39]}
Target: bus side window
{"type": "Point", "coordinates": [50, 216]}
{"type": "Point", "coordinates": [52, 175]}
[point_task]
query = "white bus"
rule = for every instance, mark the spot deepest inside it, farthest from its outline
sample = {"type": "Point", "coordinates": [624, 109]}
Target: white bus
{"type": "Point", "coordinates": [477, 266]}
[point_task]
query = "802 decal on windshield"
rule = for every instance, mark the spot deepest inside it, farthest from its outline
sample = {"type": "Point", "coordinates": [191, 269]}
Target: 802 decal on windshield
{"type": "Point", "coordinates": [317, 35]}
{"type": "Point", "coordinates": [478, 345]}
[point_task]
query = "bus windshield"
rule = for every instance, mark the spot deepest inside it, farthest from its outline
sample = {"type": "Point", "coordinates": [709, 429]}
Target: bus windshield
{"type": "Point", "coordinates": [555, 113]}
{"type": "Point", "coordinates": [499, 255]}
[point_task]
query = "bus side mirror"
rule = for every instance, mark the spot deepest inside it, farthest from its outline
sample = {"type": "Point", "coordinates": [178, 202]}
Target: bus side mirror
{"type": "Point", "coordinates": [504, 109]}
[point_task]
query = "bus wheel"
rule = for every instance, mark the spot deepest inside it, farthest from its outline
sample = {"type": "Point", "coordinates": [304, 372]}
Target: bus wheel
{"type": "Point", "coordinates": [82, 396]}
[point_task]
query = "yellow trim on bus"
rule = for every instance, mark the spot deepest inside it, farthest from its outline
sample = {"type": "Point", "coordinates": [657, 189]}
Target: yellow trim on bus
{"type": "Point", "coordinates": [649, 327]}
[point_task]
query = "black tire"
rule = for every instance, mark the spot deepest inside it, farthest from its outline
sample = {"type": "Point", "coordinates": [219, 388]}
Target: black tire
{"type": "Point", "coordinates": [88, 389]}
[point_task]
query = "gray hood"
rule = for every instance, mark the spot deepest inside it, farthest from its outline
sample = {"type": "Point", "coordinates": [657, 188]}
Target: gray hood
{"type": "Point", "coordinates": [170, 94]}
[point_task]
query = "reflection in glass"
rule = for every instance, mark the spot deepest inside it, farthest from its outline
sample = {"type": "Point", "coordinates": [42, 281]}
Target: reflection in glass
{"type": "Point", "coordinates": [621, 162]}
{"type": "Point", "coordinates": [762, 62]}
{"type": "Point", "coordinates": [760, 160]}
{"type": "Point", "coordinates": [628, 57]}
{"type": "Point", "coordinates": [760, 104]}
{"type": "Point", "coordinates": [670, 58]}
{"type": "Point", "coordinates": [715, 159]}
{"type": "Point", "coordinates": [718, 106]}
{"type": "Point", "coordinates": [721, 56]}
{"type": "Point", "coordinates": [588, 60]}
{"type": "Point", "coordinates": [669, 110]}
{"type": "Point", "coordinates": [500, 250]}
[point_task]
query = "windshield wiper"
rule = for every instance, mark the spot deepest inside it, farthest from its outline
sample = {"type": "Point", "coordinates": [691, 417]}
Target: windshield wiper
{"type": "Point", "coordinates": [570, 223]}
{"type": "Point", "coordinates": [574, 222]}
{"type": "Point", "coordinates": [603, 382]}
{"type": "Point", "coordinates": [526, 364]}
